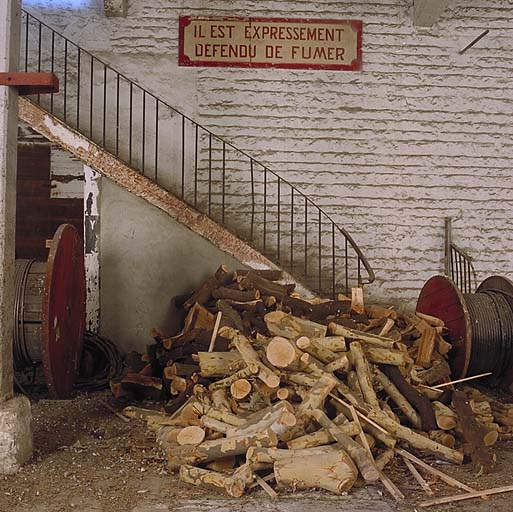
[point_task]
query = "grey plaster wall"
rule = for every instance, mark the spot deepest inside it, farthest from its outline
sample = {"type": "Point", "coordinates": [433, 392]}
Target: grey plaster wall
{"type": "Point", "coordinates": [146, 258]}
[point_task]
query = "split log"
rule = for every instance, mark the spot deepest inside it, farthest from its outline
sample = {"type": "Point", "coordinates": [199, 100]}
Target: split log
{"type": "Point", "coordinates": [416, 440]}
{"type": "Point", "coordinates": [280, 352]}
{"type": "Point", "coordinates": [291, 327]}
{"type": "Point", "coordinates": [219, 364]}
{"type": "Point", "coordinates": [473, 432]}
{"type": "Point", "coordinates": [431, 320]}
{"type": "Point", "coordinates": [316, 349]}
{"type": "Point", "coordinates": [446, 418]}
{"type": "Point", "coordinates": [401, 402]}
{"type": "Point", "coordinates": [419, 401]}
{"type": "Point", "coordinates": [357, 301]}
{"type": "Point", "coordinates": [220, 400]}
{"type": "Point", "coordinates": [364, 375]}
{"type": "Point", "coordinates": [190, 435]}
{"type": "Point", "coordinates": [218, 448]}
{"type": "Point", "coordinates": [212, 480]}
{"type": "Point", "coordinates": [426, 347]}
{"type": "Point", "coordinates": [252, 359]}
{"type": "Point", "coordinates": [359, 455]}
{"type": "Point", "coordinates": [240, 389]}
{"type": "Point", "coordinates": [334, 471]}
{"type": "Point", "coordinates": [371, 339]}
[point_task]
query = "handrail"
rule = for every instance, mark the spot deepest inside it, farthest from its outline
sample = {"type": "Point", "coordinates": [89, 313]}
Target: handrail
{"type": "Point", "coordinates": [192, 162]}
{"type": "Point", "coordinates": [458, 264]}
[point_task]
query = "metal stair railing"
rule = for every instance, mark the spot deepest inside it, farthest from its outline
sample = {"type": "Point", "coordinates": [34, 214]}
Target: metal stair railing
{"type": "Point", "coordinates": [191, 162]}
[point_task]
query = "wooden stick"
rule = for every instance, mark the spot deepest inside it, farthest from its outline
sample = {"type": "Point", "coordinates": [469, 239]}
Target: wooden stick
{"type": "Point", "coordinates": [418, 477]}
{"type": "Point", "coordinates": [446, 478]}
{"type": "Point", "coordinates": [112, 410]}
{"type": "Point", "coordinates": [470, 495]}
{"type": "Point", "coordinates": [214, 332]}
{"type": "Point", "coordinates": [461, 380]}
{"type": "Point", "coordinates": [265, 486]}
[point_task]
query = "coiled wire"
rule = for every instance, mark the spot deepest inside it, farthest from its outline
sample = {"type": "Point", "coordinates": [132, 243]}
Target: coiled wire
{"type": "Point", "coordinates": [491, 316]}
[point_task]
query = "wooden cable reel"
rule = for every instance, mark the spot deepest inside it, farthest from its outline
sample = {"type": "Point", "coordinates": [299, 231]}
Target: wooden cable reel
{"type": "Point", "coordinates": [49, 311]}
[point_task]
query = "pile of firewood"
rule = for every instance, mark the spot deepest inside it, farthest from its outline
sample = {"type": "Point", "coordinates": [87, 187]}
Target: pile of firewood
{"type": "Point", "coordinates": [262, 385]}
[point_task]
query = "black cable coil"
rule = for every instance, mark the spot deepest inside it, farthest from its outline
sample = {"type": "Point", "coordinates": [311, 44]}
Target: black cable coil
{"type": "Point", "coordinates": [101, 362]}
{"type": "Point", "coordinates": [491, 316]}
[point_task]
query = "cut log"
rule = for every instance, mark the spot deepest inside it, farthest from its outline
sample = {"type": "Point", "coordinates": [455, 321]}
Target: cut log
{"type": "Point", "coordinates": [225, 417]}
{"type": "Point", "coordinates": [280, 352]}
{"type": "Point", "coordinates": [473, 433]}
{"type": "Point", "coordinates": [416, 440]}
{"type": "Point", "coordinates": [252, 359]}
{"type": "Point", "coordinates": [334, 471]}
{"type": "Point", "coordinates": [190, 435]}
{"type": "Point", "coordinates": [323, 436]}
{"type": "Point", "coordinates": [252, 281]}
{"type": "Point", "coordinates": [202, 295]}
{"type": "Point", "coordinates": [218, 448]}
{"type": "Point", "coordinates": [286, 393]}
{"type": "Point", "coordinates": [269, 274]}
{"type": "Point", "coordinates": [238, 295]}
{"type": "Point", "coordinates": [371, 339]}
{"type": "Point", "coordinates": [379, 355]}
{"type": "Point", "coordinates": [240, 389]}
{"type": "Point", "coordinates": [366, 466]}
{"type": "Point", "coordinates": [291, 327]}
{"type": "Point", "coordinates": [446, 418]}
{"type": "Point", "coordinates": [431, 320]}
{"type": "Point", "coordinates": [419, 401]}
{"type": "Point", "coordinates": [401, 402]}
{"type": "Point", "coordinates": [443, 437]}
{"type": "Point", "coordinates": [249, 371]}
{"type": "Point", "coordinates": [230, 317]}
{"type": "Point", "coordinates": [219, 364]}
{"type": "Point", "coordinates": [316, 349]}
{"type": "Point", "coordinates": [364, 375]}
{"type": "Point", "coordinates": [212, 480]}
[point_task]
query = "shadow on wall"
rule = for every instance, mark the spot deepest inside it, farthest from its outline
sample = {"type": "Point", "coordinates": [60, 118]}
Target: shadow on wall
{"type": "Point", "coordinates": [60, 4]}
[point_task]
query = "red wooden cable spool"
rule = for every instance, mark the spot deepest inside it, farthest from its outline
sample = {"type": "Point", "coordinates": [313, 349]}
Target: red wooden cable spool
{"type": "Point", "coordinates": [50, 311]}
{"type": "Point", "coordinates": [480, 325]}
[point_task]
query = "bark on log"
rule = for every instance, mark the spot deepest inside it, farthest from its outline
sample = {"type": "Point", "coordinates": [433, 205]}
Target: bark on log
{"type": "Point", "coordinates": [323, 436]}
{"type": "Point", "coordinates": [341, 364]}
{"type": "Point", "coordinates": [392, 357]}
{"type": "Point", "coordinates": [224, 447]}
{"type": "Point", "coordinates": [249, 371]}
{"type": "Point", "coordinates": [252, 281]}
{"type": "Point", "coordinates": [401, 402]}
{"type": "Point", "coordinates": [334, 343]}
{"type": "Point", "coordinates": [443, 437]}
{"type": "Point", "coordinates": [364, 375]}
{"type": "Point", "coordinates": [219, 364]}
{"type": "Point", "coordinates": [359, 455]}
{"type": "Point", "coordinates": [202, 295]}
{"type": "Point", "coordinates": [371, 339]}
{"type": "Point", "coordinates": [316, 349]}
{"type": "Point", "coordinates": [291, 327]}
{"type": "Point", "coordinates": [334, 471]}
{"type": "Point", "coordinates": [230, 316]}
{"type": "Point", "coordinates": [419, 401]}
{"type": "Point", "coordinates": [473, 432]}
{"type": "Point", "coordinates": [212, 480]}
{"type": "Point", "coordinates": [238, 295]}
{"type": "Point", "coordinates": [416, 440]}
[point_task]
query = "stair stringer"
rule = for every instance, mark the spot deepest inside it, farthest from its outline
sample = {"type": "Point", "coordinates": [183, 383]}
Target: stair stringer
{"type": "Point", "coordinates": [111, 167]}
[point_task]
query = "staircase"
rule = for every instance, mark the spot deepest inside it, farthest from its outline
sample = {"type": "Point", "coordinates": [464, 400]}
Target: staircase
{"type": "Point", "coordinates": [147, 146]}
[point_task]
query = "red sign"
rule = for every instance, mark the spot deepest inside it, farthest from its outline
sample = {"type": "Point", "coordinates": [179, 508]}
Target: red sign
{"type": "Point", "coordinates": [271, 43]}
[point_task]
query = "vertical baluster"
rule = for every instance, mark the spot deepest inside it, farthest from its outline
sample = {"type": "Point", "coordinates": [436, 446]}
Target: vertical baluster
{"type": "Point", "coordinates": [156, 139]}
{"type": "Point", "coordinates": [265, 208]}
{"type": "Point", "coordinates": [252, 201]}
{"type": "Point", "coordinates": [196, 142]}
{"type": "Point", "coordinates": [143, 134]}
{"type": "Point", "coordinates": [319, 253]}
{"type": "Point", "coordinates": [183, 156]}
{"type": "Point", "coordinates": [346, 263]}
{"type": "Point", "coordinates": [291, 229]}
{"type": "Point", "coordinates": [306, 237]}
{"type": "Point", "coordinates": [279, 226]}
{"type": "Point", "coordinates": [224, 184]}
{"type": "Point", "coordinates": [359, 271]}
{"type": "Point", "coordinates": [27, 23]}
{"type": "Point", "coordinates": [79, 53]}
{"type": "Point", "coordinates": [39, 55]}
{"type": "Point", "coordinates": [104, 122]}
{"type": "Point", "coordinates": [209, 174]}
{"type": "Point", "coordinates": [52, 68]}
{"type": "Point", "coordinates": [91, 100]}
{"type": "Point", "coordinates": [333, 278]}
{"type": "Point", "coordinates": [464, 273]}
{"type": "Point", "coordinates": [65, 78]}
{"type": "Point", "coordinates": [130, 119]}
{"type": "Point", "coordinates": [117, 114]}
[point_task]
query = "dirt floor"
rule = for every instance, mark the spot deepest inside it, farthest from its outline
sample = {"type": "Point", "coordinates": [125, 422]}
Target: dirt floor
{"type": "Point", "coordinates": [87, 459]}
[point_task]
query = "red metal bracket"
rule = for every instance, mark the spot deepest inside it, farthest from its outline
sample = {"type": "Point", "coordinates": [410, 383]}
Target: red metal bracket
{"type": "Point", "coordinates": [31, 83]}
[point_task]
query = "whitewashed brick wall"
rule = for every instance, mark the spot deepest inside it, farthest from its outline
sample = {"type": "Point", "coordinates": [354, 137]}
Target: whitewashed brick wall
{"type": "Point", "coordinates": [421, 133]}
